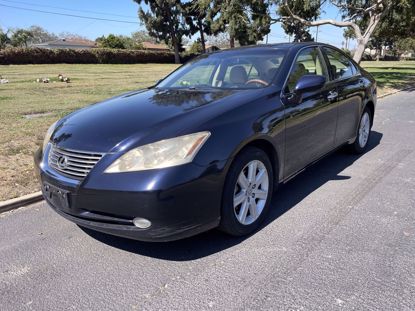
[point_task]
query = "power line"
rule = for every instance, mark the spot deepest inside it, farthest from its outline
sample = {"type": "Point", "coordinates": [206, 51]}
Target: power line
{"type": "Point", "coordinates": [70, 15]}
{"type": "Point", "coordinates": [67, 9]}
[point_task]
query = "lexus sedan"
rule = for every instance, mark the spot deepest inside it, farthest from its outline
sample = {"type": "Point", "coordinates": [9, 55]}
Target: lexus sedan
{"type": "Point", "coordinates": [206, 146]}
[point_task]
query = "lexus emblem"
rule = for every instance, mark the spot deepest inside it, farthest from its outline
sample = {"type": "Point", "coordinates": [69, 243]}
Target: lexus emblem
{"type": "Point", "coordinates": [62, 162]}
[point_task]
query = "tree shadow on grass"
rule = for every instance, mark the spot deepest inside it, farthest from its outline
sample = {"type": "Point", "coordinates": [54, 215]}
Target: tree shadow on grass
{"type": "Point", "coordinates": [213, 241]}
{"type": "Point", "coordinates": [394, 80]}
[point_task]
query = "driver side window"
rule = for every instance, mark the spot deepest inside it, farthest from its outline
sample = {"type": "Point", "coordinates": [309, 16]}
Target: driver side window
{"type": "Point", "coordinates": [340, 67]}
{"type": "Point", "coordinates": [308, 62]}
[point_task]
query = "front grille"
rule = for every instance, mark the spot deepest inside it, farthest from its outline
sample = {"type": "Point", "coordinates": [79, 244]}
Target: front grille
{"type": "Point", "coordinates": [73, 163]}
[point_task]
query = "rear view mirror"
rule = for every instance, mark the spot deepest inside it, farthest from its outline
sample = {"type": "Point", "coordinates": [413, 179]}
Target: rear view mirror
{"type": "Point", "coordinates": [309, 83]}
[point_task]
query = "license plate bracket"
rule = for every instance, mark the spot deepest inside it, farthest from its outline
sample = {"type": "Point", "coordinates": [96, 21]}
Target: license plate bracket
{"type": "Point", "coordinates": [58, 197]}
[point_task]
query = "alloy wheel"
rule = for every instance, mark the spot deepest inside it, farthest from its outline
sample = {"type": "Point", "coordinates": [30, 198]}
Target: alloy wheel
{"type": "Point", "coordinates": [251, 192]}
{"type": "Point", "coordinates": [364, 129]}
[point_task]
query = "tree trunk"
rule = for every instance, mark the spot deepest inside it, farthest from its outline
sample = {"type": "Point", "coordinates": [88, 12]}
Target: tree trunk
{"type": "Point", "coordinates": [202, 36]}
{"type": "Point", "coordinates": [363, 40]}
{"type": "Point", "coordinates": [358, 54]}
{"type": "Point", "coordinates": [232, 42]}
{"type": "Point", "coordinates": [176, 50]}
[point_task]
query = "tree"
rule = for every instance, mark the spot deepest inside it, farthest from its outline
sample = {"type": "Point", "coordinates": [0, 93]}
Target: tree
{"type": "Point", "coordinates": [196, 47]}
{"type": "Point", "coordinates": [115, 42]}
{"type": "Point", "coordinates": [246, 21]}
{"type": "Point", "coordinates": [308, 10]}
{"type": "Point", "coordinates": [165, 21]}
{"type": "Point", "coordinates": [198, 15]}
{"type": "Point", "coordinates": [40, 35]}
{"type": "Point", "coordinates": [21, 37]}
{"type": "Point", "coordinates": [141, 36]}
{"type": "Point", "coordinates": [406, 45]}
{"type": "Point", "coordinates": [398, 23]}
{"type": "Point", "coordinates": [73, 36]}
{"type": "Point", "coordinates": [221, 40]}
{"type": "Point", "coordinates": [348, 34]}
{"type": "Point", "coordinates": [4, 39]}
{"type": "Point", "coordinates": [363, 16]}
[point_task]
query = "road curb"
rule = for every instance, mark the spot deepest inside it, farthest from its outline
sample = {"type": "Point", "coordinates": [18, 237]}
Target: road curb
{"type": "Point", "coordinates": [21, 201]}
{"type": "Point", "coordinates": [396, 91]}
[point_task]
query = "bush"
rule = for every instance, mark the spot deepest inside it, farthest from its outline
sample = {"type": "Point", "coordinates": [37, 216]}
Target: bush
{"type": "Point", "coordinates": [20, 56]}
{"type": "Point", "coordinates": [196, 48]}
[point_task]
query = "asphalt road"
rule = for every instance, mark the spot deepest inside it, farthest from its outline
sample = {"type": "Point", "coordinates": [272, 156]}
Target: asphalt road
{"type": "Point", "coordinates": [340, 236]}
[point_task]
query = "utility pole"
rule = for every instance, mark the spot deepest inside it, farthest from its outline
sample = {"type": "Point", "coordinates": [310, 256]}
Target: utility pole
{"type": "Point", "coordinates": [317, 34]}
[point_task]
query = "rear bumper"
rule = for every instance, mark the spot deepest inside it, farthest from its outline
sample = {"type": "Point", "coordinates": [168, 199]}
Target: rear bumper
{"type": "Point", "coordinates": [180, 201]}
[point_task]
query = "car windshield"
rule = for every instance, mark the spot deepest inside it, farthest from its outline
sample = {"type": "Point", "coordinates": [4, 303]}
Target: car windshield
{"type": "Point", "coordinates": [227, 70]}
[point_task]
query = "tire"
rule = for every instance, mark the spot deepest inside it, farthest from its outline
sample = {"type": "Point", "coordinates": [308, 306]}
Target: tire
{"type": "Point", "coordinates": [363, 133]}
{"type": "Point", "coordinates": [252, 201]}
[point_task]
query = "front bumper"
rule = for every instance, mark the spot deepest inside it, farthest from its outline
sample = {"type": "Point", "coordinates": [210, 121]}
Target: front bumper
{"type": "Point", "coordinates": [179, 201]}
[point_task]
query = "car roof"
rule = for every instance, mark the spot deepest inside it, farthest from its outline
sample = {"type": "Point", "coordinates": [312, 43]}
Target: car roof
{"type": "Point", "coordinates": [264, 47]}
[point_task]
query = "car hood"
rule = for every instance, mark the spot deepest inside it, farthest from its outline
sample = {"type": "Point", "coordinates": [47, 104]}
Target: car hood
{"type": "Point", "coordinates": [104, 126]}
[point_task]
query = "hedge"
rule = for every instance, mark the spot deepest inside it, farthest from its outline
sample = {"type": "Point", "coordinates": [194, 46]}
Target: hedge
{"type": "Point", "coordinates": [20, 56]}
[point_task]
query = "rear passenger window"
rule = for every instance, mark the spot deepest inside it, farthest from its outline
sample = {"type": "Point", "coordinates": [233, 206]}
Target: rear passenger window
{"type": "Point", "coordinates": [340, 66]}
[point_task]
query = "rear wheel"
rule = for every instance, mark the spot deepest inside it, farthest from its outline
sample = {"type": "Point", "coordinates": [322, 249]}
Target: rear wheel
{"type": "Point", "coordinates": [247, 193]}
{"type": "Point", "coordinates": [363, 134]}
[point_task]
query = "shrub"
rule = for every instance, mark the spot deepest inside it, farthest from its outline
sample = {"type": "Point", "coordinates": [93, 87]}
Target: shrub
{"type": "Point", "coordinates": [20, 56]}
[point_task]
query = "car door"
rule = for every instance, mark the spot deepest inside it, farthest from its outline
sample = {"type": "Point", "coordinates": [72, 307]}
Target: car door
{"type": "Point", "coordinates": [351, 91]}
{"type": "Point", "coordinates": [310, 123]}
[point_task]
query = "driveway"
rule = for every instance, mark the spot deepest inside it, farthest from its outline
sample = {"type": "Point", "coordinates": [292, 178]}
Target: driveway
{"type": "Point", "coordinates": [341, 235]}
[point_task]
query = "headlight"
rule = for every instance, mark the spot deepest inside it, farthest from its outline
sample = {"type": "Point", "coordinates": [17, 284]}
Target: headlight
{"type": "Point", "coordinates": [161, 154]}
{"type": "Point", "coordinates": [48, 135]}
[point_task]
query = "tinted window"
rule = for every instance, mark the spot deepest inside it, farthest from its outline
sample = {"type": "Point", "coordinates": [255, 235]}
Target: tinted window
{"type": "Point", "coordinates": [227, 70]}
{"type": "Point", "coordinates": [339, 65]}
{"type": "Point", "coordinates": [308, 62]}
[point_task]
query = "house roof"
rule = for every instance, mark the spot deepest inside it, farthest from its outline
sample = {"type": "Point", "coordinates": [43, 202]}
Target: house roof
{"type": "Point", "coordinates": [155, 46]}
{"type": "Point", "coordinates": [68, 42]}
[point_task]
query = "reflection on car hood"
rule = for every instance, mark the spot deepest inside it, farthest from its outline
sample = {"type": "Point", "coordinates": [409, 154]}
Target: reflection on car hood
{"type": "Point", "coordinates": [101, 126]}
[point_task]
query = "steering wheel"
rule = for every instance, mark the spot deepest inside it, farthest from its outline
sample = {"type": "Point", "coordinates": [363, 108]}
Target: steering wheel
{"type": "Point", "coordinates": [257, 81]}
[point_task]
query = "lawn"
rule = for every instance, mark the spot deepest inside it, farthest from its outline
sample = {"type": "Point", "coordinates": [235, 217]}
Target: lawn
{"type": "Point", "coordinates": [28, 108]}
{"type": "Point", "coordinates": [391, 75]}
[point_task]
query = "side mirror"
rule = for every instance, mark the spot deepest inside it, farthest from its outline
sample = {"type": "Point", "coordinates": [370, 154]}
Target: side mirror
{"type": "Point", "coordinates": [309, 83]}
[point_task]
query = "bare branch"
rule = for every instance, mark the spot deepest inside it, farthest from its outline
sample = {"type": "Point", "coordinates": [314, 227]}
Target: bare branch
{"type": "Point", "coordinates": [323, 21]}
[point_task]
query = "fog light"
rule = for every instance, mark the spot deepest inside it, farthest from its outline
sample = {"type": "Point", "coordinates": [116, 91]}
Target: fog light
{"type": "Point", "coordinates": [141, 223]}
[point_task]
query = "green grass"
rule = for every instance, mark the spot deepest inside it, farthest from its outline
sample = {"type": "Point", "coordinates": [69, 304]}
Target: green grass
{"type": "Point", "coordinates": [20, 136]}
{"type": "Point", "coordinates": [391, 75]}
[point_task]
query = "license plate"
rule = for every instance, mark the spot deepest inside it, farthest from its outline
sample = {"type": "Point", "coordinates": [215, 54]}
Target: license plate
{"type": "Point", "coordinates": [58, 197]}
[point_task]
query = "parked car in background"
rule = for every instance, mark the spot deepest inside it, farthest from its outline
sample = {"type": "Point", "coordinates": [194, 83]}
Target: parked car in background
{"type": "Point", "coordinates": [207, 145]}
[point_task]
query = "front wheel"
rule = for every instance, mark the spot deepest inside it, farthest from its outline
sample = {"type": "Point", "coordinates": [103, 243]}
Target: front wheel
{"type": "Point", "coordinates": [363, 134]}
{"type": "Point", "coordinates": [247, 193]}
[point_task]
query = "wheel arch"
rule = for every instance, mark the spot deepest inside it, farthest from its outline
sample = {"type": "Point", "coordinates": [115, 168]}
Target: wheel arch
{"type": "Point", "coordinates": [371, 106]}
{"type": "Point", "coordinates": [271, 152]}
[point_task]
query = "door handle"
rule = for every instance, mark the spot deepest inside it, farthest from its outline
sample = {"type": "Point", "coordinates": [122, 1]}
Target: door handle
{"type": "Point", "coordinates": [331, 96]}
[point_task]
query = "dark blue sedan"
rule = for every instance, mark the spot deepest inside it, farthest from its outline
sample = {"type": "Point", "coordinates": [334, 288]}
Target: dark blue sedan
{"type": "Point", "coordinates": [207, 145]}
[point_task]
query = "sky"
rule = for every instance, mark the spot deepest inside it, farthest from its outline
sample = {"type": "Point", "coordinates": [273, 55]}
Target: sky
{"type": "Point", "coordinates": [19, 14]}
